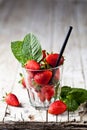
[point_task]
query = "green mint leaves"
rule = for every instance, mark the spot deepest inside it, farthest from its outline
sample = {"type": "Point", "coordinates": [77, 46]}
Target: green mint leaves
{"type": "Point", "coordinates": [73, 97]}
{"type": "Point", "coordinates": [27, 49]}
{"type": "Point", "coordinates": [32, 48]}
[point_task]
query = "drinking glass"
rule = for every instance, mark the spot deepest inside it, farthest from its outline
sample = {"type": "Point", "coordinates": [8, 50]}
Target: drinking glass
{"type": "Point", "coordinates": [43, 90]}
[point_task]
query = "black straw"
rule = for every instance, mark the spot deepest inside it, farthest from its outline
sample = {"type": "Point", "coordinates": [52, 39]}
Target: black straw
{"type": "Point", "coordinates": [64, 45]}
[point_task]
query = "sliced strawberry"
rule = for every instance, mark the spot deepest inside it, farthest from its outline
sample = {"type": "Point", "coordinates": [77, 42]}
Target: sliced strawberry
{"type": "Point", "coordinates": [43, 77]}
{"type": "Point", "coordinates": [32, 64]}
{"type": "Point", "coordinates": [57, 107]}
{"type": "Point", "coordinates": [48, 91]}
{"type": "Point", "coordinates": [11, 99]}
{"type": "Point", "coordinates": [52, 59]}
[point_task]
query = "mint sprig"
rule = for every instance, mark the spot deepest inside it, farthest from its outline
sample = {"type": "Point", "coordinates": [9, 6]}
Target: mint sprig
{"type": "Point", "coordinates": [73, 97]}
{"type": "Point", "coordinates": [29, 48]}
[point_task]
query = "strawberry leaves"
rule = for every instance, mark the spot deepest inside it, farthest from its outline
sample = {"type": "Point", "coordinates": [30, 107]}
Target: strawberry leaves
{"type": "Point", "coordinates": [27, 49]}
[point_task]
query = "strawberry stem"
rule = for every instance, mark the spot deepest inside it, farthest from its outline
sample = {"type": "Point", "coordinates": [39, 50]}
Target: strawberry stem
{"type": "Point", "coordinates": [21, 74]}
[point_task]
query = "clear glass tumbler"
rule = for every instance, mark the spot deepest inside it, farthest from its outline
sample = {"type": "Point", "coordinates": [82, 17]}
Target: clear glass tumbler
{"type": "Point", "coordinates": [43, 86]}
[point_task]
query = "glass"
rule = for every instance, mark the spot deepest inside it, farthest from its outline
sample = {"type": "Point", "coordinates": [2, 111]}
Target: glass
{"type": "Point", "coordinates": [43, 86]}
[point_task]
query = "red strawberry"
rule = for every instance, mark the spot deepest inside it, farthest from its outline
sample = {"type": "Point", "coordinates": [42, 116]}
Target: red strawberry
{"type": "Point", "coordinates": [48, 91]}
{"type": "Point", "coordinates": [57, 107]}
{"type": "Point", "coordinates": [43, 77]}
{"type": "Point", "coordinates": [61, 61]}
{"type": "Point", "coordinates": [52, 59]}
{"type": "Point", "coordinates": [32, 64]}
{"type": "Point", "coordinates": [22, 81]}
{"type": "Point", "coordinates": [30, 78]}
{"type": "Point", "coordinates": [12, 100]}
{"type": "Point", "coordinates": [57, 74]}
{"type": "Point", "coordinates": [41, 96]}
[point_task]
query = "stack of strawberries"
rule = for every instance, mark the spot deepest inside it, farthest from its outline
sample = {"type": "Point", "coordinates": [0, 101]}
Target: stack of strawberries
{"type": "Point", "coordinates": [40, 75]}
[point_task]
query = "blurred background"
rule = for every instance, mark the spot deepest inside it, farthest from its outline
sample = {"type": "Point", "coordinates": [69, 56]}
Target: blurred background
{"type": "Point", "coordinates": [49, 20]}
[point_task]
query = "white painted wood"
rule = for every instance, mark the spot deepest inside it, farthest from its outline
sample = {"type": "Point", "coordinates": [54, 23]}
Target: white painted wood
{"type": "Point", "coordinates": [50, 21]}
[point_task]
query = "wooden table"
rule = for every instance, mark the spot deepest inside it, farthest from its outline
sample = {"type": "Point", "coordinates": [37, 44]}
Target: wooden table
{"type": "Point", "coordinates": [49, 20]}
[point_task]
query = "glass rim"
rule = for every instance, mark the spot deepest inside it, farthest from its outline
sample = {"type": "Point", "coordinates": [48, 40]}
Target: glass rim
{"type": "Point", "coordinates": [52, 68]}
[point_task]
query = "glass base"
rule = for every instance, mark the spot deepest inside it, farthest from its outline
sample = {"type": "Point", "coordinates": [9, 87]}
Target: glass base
{"type": "Point", "coordinates": [40, 108]}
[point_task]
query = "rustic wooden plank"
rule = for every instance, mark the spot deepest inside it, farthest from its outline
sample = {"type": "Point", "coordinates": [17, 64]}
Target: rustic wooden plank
{"type": "Point", "coordinates": [43, 125]}
{"type": "Point", "coordinates": [82, 31]}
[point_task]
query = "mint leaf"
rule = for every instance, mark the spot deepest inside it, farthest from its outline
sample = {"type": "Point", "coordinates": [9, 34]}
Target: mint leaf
{"type": "Point", "coordinates": [79, 94]}
{"type": "Point", "coordinates": [73, 97]}
{"type": "Point", "coordinates": [64, 91]}
{"type": "Point", "coordinates": [32, 48]}
{"type": "Point", "coordinates": [16, 48]}
{"type": "Point", "coordinates": [27, 49]}
{"type": "Point", "coordinates": [71, 103]}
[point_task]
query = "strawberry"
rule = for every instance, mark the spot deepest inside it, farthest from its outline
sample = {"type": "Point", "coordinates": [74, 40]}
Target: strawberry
{"type": "Point", "coordinates": [30, 77]}
{"type": "Point", "coordinates": [22, 81]}
{"type": "Point", "coordinates": [57, 75]}
{"type": "Point", "coordinates": [61, 60]}
{"type": "Point", "coordinates": [43, 77]}
{"type": "Point", "coordinates": [32, 64]}
{"type": "Point", "coordinates": [41, 96]}
{"type": "Point", "coordinates": [52, 59]}
{"type": "Point", "coordinates": [11, 99]}
{"type": "Point", "coordinates": [57, 107]}
{"type": "Point", "coordinates": [48, 91]}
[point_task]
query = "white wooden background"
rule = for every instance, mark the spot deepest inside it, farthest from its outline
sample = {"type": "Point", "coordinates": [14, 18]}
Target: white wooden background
{"type": "Point", "coordinates": [49, 20]}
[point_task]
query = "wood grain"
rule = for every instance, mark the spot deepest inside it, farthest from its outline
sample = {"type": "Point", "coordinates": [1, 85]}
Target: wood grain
{"type": "Point", "coordinates": [49, 20]}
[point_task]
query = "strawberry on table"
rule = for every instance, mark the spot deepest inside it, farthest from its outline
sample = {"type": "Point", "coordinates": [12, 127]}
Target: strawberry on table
{"type": "Point", "coordinates": [57, 107]}
{"type": "Point", "coordinates": [11, 99]}
{"type": "Point", "coordinates": [32, 64]}
{"type": "Point", "coordinates": [43, 77]}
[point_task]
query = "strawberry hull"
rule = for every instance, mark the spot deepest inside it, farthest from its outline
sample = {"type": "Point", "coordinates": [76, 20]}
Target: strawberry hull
{"type": "Point", "coordinates": [43, 85]}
